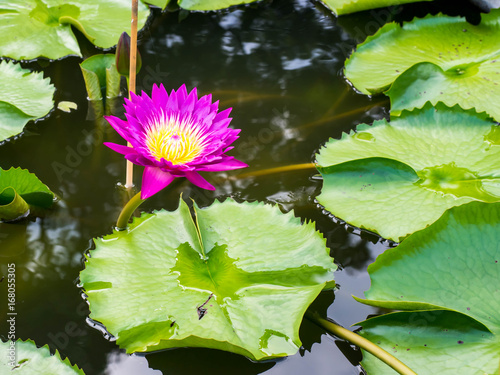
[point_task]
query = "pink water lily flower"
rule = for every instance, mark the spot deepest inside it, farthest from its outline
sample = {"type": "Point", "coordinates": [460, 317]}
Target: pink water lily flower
{"type": "Point", "coordinates": [176, 135]}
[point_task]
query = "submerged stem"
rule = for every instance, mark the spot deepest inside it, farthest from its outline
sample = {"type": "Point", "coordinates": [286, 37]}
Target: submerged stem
{"type": "Point", "coordinates": [361, 342]}
{"type": "Point", "coordinates": [128, 210]}
{"type": "Point", "coordinates": [285, 168]}
{"type": "Point", "coordinates": [131, 80]}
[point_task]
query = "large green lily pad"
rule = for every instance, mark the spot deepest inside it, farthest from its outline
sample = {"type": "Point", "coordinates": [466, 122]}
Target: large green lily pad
{"type": "Point", "coordinates": [21, 190]}
{"type": "Point", "coordinates": [24, 96]}
{"type": "Point", "coordinates": [239, 279]}
{"type": "Point", "coordinates": [341, 7]}
{"type": "Point", "coordinates": [451, 43]}
{"type": "Point", "coordinates": [470, 87]}
{"type": "Point", "coordinates": [397, 177]}
{"type": "Point", "coordinates": [42, 28]}
{"type": "Point", "coordinates": [449, 273]}
{"type": "Point", "coordinates": [211, 4]}
{"type": "Point", "coordinates": [29, 360]}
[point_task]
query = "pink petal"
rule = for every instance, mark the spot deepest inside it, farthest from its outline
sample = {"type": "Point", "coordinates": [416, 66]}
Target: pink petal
{"type": "Point", "coordinates": [192, 98]}
{"type": "Point", "coordinates": [153, 180]}
{"type": "Point", "coordinates": [120, 149]}
{"type": "Point", "coordinates": [199, 181]}
{"type": "Point", "coordinates": [120, 126]}
{"type": "Point", "coordinates": [181, 94]}
{"type": "Point", "coordinates": [159, 96]}
{"type": "Point", "coordinates": [222, 115]}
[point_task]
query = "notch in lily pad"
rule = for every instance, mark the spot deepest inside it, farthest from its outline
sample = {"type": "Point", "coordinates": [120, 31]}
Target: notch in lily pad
{"type": "Point", "coordinates": [436, 58]}
{"type": "Point", "coordinates": [24, 96]}
{"type": "Point", "coordinates": [238, 278]}
{"type": "Point", "coordinates": [36, 28]}
{"type": "Point", "coordinates": [21, 193]}
{"type": "Point", "coordinates": [397, 177]}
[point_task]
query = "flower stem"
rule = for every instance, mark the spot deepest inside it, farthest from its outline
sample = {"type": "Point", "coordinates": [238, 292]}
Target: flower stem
{"type": "Point", "coordinates": [129, 183]}
{"type": "Point", "coordinates": [285, 168]}
{"type": "Point", "coordinates": [128, 210]}
{"type": "Point", "coordinates": [361, 342]}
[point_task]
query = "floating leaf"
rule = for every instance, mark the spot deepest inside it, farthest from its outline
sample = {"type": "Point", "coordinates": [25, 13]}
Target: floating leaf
{"type": "Point", "coordinates": [36, 28]}
{"type": "Point", "coordinates": [20, 189]}
{"type": "Point", "coordinates": [100, 74]}
{"type": "Point", "coordinates": [28, 360]}
{"type": "Point", "coordinates": [24, 96]}
{"type": "Point", "coordinates": [396, 178]}
{"type": "Point", "coordinates": [450, 272]}
{"type": "Point", "coordinates": [470, 87]}
{"type": "Point", "coordinates": [451, 43]}
{"type": "Point", "coordinates": [341, 7]}
{"type": "Point", "coordinates": [66, 106]}
{"type": "Point", "coordinates": [211, 4]}
{"type": "Point", "coordinates": [239, 279]}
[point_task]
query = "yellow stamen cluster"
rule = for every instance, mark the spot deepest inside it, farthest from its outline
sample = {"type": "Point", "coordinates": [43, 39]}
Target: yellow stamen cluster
{"type": "Point", "coordinates": [176, 141]}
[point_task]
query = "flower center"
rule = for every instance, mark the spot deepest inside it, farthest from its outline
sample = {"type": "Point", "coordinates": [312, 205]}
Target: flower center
{"type": "Point", "coordinates": [176, 141]}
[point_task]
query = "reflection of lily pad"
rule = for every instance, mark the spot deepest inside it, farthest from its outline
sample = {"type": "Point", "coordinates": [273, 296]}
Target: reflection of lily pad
{"type": "Point", "coordinates": [450, 274]}
{"type": "Point", "coordinates": [451, 43]}
{"type": "Point", "coordinates": [396, 178]}
{"type": "Point", "coordinates": [20, 190]}
{"type": "Point", "coordinates": [28, 360]}
{"type": "Point", "coordinates": [239, 279]}
{"type": "Point", "coordinates": [23, 96]}
{"type": "Point", "coordinates": [34, 28]}
{"type": "Point", "coordinates": [340, 7]}
{"type": "Point", "coordinates": [211, 4]}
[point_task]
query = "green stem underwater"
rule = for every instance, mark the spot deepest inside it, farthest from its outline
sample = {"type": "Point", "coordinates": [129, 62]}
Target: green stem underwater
{"type": "Point", "coordinates": [128, 210]}
{"type": "Point", "coordinates": [361, 342]}
{"type": "Point", "coordinates": [285, 168]}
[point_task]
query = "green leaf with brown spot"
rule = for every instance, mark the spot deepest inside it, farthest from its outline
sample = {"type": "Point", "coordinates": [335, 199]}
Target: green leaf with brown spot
{"type": "Point", "coordinates": [239, 278]}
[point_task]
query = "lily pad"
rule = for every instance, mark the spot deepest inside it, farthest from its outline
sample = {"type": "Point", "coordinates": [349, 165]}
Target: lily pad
{"type": "Point", "coordinates": [397, 177]}
{"type": "Point", "coordinates": [100, 75]}
{"type": "Point", "coordinates": [20, 190]}
{"type": "Point", "coordinates": [340, 7]}
{"type": "Point", "coordinates": [28, 360]}
{"type": "Point", "coordinates": [449, 273]}
{"type": "Point", "coordinates": [211, 4]}
{"type": "Point", "coordinates": [239, 279]}
{"type": "Point", "coordinates": [24, 95]}
{"type": "Point", "coordinates": [467, 86]}
{"type": "Point", "coordinates": [451, 43]}
{"type": "Point", "coordinates": [42, 28]}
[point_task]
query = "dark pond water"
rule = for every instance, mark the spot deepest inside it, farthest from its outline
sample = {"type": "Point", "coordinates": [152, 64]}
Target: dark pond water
{"type": "Point", "coordinates": [278, 64]}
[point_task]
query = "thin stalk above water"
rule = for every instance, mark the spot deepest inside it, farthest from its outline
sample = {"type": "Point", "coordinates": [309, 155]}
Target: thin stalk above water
{"type": "Point", "coordinates": [377, 351]}
{"type": "Point", "coordinates": [128, 210]}
{"type": "Point", "coordinates": [131, 80]}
